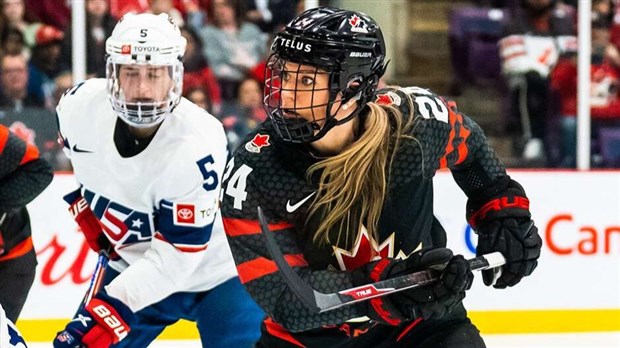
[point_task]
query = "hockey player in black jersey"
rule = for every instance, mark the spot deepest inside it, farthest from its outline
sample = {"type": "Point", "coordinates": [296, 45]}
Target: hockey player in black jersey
{"type": "Point", "coordinates": [344, 176]}
{"type": "Point", "coordinates": [23, 176]}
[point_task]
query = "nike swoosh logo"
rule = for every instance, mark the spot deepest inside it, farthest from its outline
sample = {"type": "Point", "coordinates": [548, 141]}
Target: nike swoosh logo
{"type": "Point", "coordinates": [75, 149]}
{"type": "Point", "coordinates": [291, 208]}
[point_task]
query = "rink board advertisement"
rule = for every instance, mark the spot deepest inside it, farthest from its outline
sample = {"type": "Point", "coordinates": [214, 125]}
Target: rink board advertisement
{"type": "Point", "coordinates": [578, 277]}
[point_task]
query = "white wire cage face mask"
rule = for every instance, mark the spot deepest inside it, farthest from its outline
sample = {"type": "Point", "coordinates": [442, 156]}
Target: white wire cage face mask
{"type": "Point", "coordinates": [143, 94]}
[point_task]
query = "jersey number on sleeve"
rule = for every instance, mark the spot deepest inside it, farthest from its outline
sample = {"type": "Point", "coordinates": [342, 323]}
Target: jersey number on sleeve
{"type": "Point", "coordinates": [237, 183]}
{"type": "Point", "coordinates": [209, 175]}
{"type": "Point", "coordinates": [428, 104]}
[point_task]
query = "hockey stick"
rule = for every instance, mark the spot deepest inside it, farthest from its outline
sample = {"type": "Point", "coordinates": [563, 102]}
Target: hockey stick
{"type": "Point", "coordinates": [97, 279]}
{"type": "Point", "coordinates": [321, 302]}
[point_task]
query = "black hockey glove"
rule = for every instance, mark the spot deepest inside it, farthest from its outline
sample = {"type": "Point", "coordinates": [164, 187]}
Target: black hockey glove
{"type": "Point", "coordinates": [429, 301]}
{"type": "Point", "coordinates": [504, 224]}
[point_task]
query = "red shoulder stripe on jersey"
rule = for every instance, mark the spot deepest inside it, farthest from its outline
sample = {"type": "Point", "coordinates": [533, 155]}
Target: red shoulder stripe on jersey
{"type": "Point", "coordinates": [19, 250]}
{"type": "Point", "coordinates": [463, 134]}
{"type": "Point", "coordinates": [32, 153]}
{"type": "Point", "coordinates": [4, 137]}
{"type": "Point", "coordinates": [277, 330]}
{"type": "Point", "coordinates": [183, 247]}
{"type": "Point", "coordinates": [239, 227]}
{"type": "Point", "coordinates": [260, 267]}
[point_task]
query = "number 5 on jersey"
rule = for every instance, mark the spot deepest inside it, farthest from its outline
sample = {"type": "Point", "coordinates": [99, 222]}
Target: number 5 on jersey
{"type": "Point", "coordinates": [209, 175]}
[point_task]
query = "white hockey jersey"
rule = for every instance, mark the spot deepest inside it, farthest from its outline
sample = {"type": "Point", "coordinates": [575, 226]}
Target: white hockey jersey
{"type": "Point", "coordinates": [160, 207]}
{"type": "Point", "coordinates": [9, 335]}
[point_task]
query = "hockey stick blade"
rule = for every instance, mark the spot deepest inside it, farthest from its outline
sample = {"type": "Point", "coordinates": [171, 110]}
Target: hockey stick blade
{"type": "Point", "coordinates": [321, 302]}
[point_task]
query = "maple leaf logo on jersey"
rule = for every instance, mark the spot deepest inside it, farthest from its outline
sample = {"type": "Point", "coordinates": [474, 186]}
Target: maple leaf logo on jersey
{"type": "Point", "coordinates": [257, 143]}
{"type": "Point", "coordinates": [358, 25]}
{"type": "Point", "coordinates": [389, 98]}
{"type": "Point", "coordinates": [364, 250]}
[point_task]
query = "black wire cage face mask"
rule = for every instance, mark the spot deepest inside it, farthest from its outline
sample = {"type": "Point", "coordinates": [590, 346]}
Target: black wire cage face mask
{"type": "Point", "coordinates": [298, 107]}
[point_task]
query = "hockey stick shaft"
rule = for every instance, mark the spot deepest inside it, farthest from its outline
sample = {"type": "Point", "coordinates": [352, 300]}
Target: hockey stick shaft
{"type": "Point", "coordinates": [97, 278]}
{"type": "Point", "coordinates": [321, 302]}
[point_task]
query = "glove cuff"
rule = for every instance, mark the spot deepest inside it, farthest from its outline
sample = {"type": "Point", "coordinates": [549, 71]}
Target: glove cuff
{"type": "Point", "coordinates": [510, 202]}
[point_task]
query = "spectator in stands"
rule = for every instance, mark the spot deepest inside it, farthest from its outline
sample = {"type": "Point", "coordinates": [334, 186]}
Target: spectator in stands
{"type": "Point", "coordinates": [62, 83]}
{"type": "Point", "coordinates": [14, 16]}
{"type": "Point", "coordinates": [167, 6]}
{"type": "Point", "coordinates": [250, 101]}
{"type": "Point", "coordinates": [45, 63]}
{"type": "Point", "coordinates": [56, 13]}
{"type": "Point", "coordinates": [199, 97]}
{"type": "Point", "coordinates": [197, 72]}
{"type": "Point", "coordinates": [13, 42]}
{"type": "Point", "coordinates": [604, 89]}
{"type": "Point", "coordinates": [14, 78]}
{"type": "Point", "coordinates": [119, 7]}
{"type": "Point", "coordinates": [271, 15]}
{"type": "Point", "coordinates": [241, 116]}
{"type": "Point", "coordinates": [99, 25]}
{"type": "Point", "coordinates": [534, 40]}
{"type": "Point", "coordinates": [232, 46]}
{"type": "Point", "coordinates": [603, 10]}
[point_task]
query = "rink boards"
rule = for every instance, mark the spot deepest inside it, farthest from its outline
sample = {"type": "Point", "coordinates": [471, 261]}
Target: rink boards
{"type": "Point", "coordinates": [576, 287]}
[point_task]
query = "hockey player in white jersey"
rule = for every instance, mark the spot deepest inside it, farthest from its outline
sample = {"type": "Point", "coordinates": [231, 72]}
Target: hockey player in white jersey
{"type": "Point", "coordinates": [9, 335]}
{"type": "Point", "coordinates": [149, 164]}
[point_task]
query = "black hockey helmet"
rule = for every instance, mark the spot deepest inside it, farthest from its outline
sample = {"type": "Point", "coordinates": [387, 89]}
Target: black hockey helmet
{"type": "Point", "coordinates": [346, 45]}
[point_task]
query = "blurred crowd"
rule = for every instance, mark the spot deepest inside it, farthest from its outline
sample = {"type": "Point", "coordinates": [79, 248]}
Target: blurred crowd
{"type": "Point", "coordinates": [527, 47]}
{"type": "Point", "coordinates": [533, 45]}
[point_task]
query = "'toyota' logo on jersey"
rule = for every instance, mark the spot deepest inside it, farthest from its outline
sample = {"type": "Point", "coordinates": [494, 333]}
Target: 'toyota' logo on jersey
{"type": "Point", "coordinates": [185, 213]}
{"type": "Point", "coordinates": [259, 141]}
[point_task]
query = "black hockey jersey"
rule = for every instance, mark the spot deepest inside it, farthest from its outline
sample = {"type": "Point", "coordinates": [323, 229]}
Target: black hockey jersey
{"type": "Point", "coordinates": [23, 176]}
{"type": "Point", "coordinates": [270, 173]}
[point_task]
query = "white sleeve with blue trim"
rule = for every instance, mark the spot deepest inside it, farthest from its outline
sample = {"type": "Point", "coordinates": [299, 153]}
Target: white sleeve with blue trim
{"type": "Point", "coordinates": [9, 335]}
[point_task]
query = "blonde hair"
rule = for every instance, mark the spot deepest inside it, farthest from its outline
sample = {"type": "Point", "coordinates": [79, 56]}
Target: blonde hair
{"type": "Point", "coordinates": [353, 184]}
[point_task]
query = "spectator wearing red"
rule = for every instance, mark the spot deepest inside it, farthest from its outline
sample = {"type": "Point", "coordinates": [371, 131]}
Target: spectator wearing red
{"type": "Point", "coordinates": [604, 89]}
{"type": "Point", "coordinates": [51, 12]}
{"type": "Point", "coordinates": [119, 7]}
{"type": "Point", "coordinates": [45, 63]}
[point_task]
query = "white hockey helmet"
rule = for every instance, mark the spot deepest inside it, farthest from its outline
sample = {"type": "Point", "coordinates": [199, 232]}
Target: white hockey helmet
{"type": "Point", "coordinates": [145, 41]}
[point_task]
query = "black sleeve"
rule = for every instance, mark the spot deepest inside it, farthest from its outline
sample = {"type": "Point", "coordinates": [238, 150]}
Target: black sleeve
{"type": "Point", "coordinates": [450, 139]}
{"type": "Point", "coordinates": [481, 168]}
{"type": "Point", "coordinates": [23, 174]}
